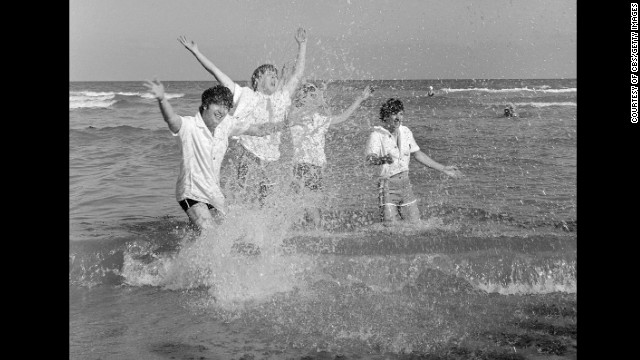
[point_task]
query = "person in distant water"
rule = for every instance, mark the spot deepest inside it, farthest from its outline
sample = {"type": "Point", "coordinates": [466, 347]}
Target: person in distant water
{"type": "Point", "coordinates": [309, 124]}
{"type": "Point", "coordinates": [203, 140]}
{"type": "Point", "coordinates": [391, 145]}
{"type": "Point", "coordinates": [263, 102]}
{"type": "Point", "coordinates": [430, 92]}
{"type": "Point", "coordinates": [509, 111]}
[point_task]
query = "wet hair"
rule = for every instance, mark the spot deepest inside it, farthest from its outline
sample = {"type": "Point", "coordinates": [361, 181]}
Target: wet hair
{"type": "Point", "coordinates": [304, 90]}
{"type": "Point", "coordinates": [390, 107]}
{"type": "Point", "coordinates": [217, 95]}
{"type": "Point", "coordinates": [257, 73]}
{"type": "Point", "coordinates": [509, 110]}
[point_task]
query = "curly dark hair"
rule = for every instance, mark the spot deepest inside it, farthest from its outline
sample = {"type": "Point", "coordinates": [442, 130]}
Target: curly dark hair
{"type": "Point", "coordinates": [305, 89]}
{"type": "Point", "coordinates": [259, 71]}
{"type": "Point", "coordinates": [390, 107]}
{"type": "Point", "coordinates": [217, 95]}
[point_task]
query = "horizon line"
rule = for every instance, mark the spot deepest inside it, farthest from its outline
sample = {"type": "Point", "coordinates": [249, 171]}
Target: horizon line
{"type": "Point", "coordinates": [436, 79]}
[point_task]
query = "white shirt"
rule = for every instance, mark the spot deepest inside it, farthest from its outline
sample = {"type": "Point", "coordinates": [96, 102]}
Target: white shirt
{"type": "Point", "coordinates": [381, 142]}
{"type": "Point", "coordinates": [308, 139]}
{"type": "Point", "coordinates": [201, 158]}
{"type": "Point", "coordinates": [252, 107]}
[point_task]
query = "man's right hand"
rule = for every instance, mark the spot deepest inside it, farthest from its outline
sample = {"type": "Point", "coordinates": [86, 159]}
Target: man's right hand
{"type": "Point", "coordinates": [301, 35]}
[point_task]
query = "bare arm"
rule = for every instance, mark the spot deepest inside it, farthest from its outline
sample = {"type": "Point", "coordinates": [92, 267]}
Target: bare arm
{"type": "Point", "coordinates": [294, 80]}
{"type": "Point", "coordinates": [221, 77]}
{"type": "Point", "coordinates": [366, 93]}
{"type": "Point", "coordinates": [157, 90]}
{"type": "Point", "coordinates": [285, 74]}
{"type": "Point", "coordinates": [427, 161]}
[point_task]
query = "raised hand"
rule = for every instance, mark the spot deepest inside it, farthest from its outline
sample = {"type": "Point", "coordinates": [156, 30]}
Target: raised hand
{"type": "Point", "coordinates": [190, 45]}
{"type": "Point", "coordinates": [367, 92]}
{"type": "Point", "coordinates": [301, 35]}
{"type": "Point", "coordinates": [156, 88]}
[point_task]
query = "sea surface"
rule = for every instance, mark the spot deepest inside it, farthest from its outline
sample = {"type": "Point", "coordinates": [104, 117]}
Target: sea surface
{"type": "Point", "coordinates": [490, 272]}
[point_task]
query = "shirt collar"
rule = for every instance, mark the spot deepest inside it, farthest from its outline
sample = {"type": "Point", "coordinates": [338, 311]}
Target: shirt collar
{"type": "Point", "coordinates": [199, 121]}
{"type": "Point", "coordinates": [385, 131]}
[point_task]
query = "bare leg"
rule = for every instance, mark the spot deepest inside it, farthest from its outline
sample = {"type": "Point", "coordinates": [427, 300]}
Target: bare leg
{"type": "Point", "coordinates": [389, 214]}
{"type": "Point", "coordinates": [410, 212]}
{"type": "Point", "coordinates": [200, 215]}
{"type": "Point", "coordinates": [314, 214]}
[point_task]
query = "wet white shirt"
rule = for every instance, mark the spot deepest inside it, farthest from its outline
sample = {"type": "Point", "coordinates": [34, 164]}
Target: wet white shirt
{"type": "Point", "coordinates": [252, 107]}
{"type": "Point", "coordinates": [381, 142]}
{"type": "Point", "coordinates": [201, 158]}
{"type": "Point", "coordinates": [309, 139]}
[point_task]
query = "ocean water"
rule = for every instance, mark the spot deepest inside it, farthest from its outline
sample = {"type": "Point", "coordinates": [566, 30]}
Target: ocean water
{"type": "Point", "coordinates": [493, 261]}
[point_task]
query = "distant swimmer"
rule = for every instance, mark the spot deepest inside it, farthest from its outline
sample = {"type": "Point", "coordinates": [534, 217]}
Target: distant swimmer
{"type": "Point", "coordinates": [510, 111]}
{"type": "Point", "coordinates": [431, 93]}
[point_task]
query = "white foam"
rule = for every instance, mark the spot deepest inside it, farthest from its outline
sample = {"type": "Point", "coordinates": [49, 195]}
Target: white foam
{"type": "Point", "coordinates": [104, 99]}
{"type": "Point", "coordinates": [90, 103]}
{"type": "Point", "coordinates": [545, 104]}
{"type": "Point", "coordinates": [566, 90]}
{"type": "Point", "coordinates": [167, 95]}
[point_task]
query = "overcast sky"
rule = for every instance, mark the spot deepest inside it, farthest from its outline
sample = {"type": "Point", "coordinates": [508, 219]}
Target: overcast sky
{"type": "Point", "coordinates": [347, 39]}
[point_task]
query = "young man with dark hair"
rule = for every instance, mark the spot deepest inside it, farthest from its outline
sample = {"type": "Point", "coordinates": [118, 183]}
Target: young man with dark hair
{"type": "Point", "coordinates": [265, 101]}
{"type": "Point", "coordinates": [391, 145]}
{"type": "Point", "coordinates": [203, 140]}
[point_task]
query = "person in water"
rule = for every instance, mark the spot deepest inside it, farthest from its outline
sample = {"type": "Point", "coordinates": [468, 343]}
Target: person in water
{"type": "Point", "coordinates": [266, 101]}
{"type": "Point", "coordinates": [430, 93]}
{"type": "Point", "coordinates": [310, 122]}
{"type": "Point", "coordinates": [509, 111]}
{"type": "Point", "coordinates": [391, 146]}
{"type": "Point", "coordinates": [203, 141]}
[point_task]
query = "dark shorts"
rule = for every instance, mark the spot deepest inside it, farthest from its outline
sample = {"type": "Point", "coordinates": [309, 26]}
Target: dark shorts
{"type": "Point", "coordinates": [187, 203]}
{"type": "Point", "coordinates": [310, 174]}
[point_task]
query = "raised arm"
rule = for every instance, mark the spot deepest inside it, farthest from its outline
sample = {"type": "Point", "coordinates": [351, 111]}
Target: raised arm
{"type": "Point", "coordinates": [427, 161]}
{"type": "Point", "coordinates": [294, 80]}
{"type": "Point", "coordinates": [285, 74]}
{"type": "Point", "coordinates": [366, 93]}
{"type": "Point", "coordinates": [157, 90]}
{"type": "Point", "coordinates": [206, 63]}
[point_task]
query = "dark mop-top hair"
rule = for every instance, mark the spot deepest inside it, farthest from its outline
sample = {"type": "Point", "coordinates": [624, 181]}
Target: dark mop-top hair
{"type": "Point", "coordinates": [217, 95]}
{"type": "Point", "coordinates": [390, 107]}
{"type": "Point", "coordinates": [259, 71]}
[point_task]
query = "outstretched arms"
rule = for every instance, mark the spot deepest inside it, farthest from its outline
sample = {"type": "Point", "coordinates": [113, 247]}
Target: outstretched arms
{"type": "Point", "coordinates": [294, 80]}
{"type": "Point", "coordinates": [260, 129]}
{"type": "Point", "coordinates": [157, 90]}
{"type": "Point", "coordinates": [366, 93]}
{"type": "Point", "coordinates": [206, 63]}
{"type": "Point", "coordinates": [427, 161]}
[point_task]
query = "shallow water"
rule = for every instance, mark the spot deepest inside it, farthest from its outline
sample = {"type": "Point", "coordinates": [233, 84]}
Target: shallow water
{"type": "Point", "coordinates": [490, 272]}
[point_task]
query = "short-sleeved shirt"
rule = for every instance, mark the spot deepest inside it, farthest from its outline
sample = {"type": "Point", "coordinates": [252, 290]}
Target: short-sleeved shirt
{"type": "Point", "coordinates": [308, 139]}
{"type": "Point", "coordinates": [201, 158]}
{"type": "Point", "coordinates": [253, 107]}
{"type": "Point", "coordinates": [381, 142]}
